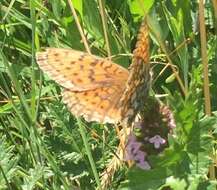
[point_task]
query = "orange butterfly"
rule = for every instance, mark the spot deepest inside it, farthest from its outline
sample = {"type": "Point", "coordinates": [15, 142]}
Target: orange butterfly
{"type": "Point", "coordinates": [96, 88]}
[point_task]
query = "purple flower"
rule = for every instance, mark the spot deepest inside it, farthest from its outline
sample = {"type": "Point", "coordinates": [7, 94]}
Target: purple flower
{"type": "Point", "coordinates": [132, 147]}
{"type": "Point", "coordinates": [133, 152]}
{"type": "Point", "coordinates": [168, 116]}
{"type": "Point", "coordinates": [131, 138]}
{"type": "Point", "coordinates": [140, 156]}
{"type": "Point", "coordinates": [140, 160]}
{"type": "Point", "coordinates": [133, 144]}
{"type": "Point", "coordinates": [157, 141]}
{"type": "Point", "coordinates": [144, 165]}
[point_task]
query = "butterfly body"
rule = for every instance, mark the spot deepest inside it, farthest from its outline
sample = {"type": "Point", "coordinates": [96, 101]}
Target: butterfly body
{"type": "Point", "coordinates": [96, 88]}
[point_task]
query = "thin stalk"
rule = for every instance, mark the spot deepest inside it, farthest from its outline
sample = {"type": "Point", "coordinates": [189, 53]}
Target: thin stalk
{"type": "Point", "coordinates": [205, 71]}
{"type": "Point", "coordinates": [79, 26]}
{"type": "Point", "coordinates": [53, 164]}
{"type": "Point", "coordinates": [89, 154]}
{"type": "Point", "coordinates": [204, 58]}
{"type": "Point", "coordinates": [163, 47]}
{"type": "Point", "coordinates": [34, 101]}
{"type": "Point", "coordinates": [16, 84]}
{"type": "Point", "coordinates": [188, 40]}
{"type": "Point", "coordinates": [105, 26]}
{"type": "Point", "coordinates": [33, 82]}
{"type": "Point", "coordinates": [20, 117]}
{"type": "Point", "coordinates": [5, 178]}
{"type": "Point", "coordinates": [8, 10]}
{"type": "Point", "coordinates": [214, 2]}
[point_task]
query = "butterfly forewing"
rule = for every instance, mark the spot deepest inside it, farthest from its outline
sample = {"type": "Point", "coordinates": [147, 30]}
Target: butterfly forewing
{"type": "Point", "coordinates": [93, 85]}
{"type": "Point", "coordinates": [79, 71]}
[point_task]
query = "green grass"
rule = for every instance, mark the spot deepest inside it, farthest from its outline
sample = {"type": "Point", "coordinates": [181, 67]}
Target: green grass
{"type": "Point", "coordinates": [42, 146]}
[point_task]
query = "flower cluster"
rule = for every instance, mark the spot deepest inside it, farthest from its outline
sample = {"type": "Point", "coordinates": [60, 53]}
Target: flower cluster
{"type": "Point", "coordinates": [150, 135]}
{"type": "Point", "coordinates": [133, 152]}
{"type": "Point", "coordinates": [168, 116]}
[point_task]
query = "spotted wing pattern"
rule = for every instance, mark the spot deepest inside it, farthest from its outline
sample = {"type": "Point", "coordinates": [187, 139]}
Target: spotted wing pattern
{"type": "Point", "coordinates": [100, 104]}
{"type": "Point", "coordinates": [79, 71]}
{"type": "Point", "coordinates": [92, 86]}
{"type": "Point", "coordinates": [137, 86]}
{"type": "Point", "coordinates": [96, 88]}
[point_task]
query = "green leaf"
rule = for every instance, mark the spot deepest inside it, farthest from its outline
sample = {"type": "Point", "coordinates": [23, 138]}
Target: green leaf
{"type": "Point", "coordinates": [150, 180]}
{"type": "Point", "coordinates": [139, 8]}
{"type": "Point", "coordinates": [8, 163]}
{"type": "Point", "coordinates": [175, 183]}
{"type": "Point", "coordinates": [35, 174]}
{"type": "Point", "coordinates": [78, 4]}
{"type": "Point", "coordinates": [171, 78]}
{"type": "Point", "coordinates": [92, 20]}
{"type": "Point", "coordinates": [177, 28]}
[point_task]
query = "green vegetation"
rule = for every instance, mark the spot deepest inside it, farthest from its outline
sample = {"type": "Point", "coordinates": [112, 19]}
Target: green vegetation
{"type": "Point", "coordinates": [42, 146]}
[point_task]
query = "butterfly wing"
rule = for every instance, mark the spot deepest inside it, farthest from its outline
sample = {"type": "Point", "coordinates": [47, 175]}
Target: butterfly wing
{"type": "Point", "coordinates": [101, 104]}
{"type": "Point", "coordinates": [138, 82]}
{"type": "Point", "coordinates": [93, 86]}
{"type": "Point", "coordinates": [79, 71]}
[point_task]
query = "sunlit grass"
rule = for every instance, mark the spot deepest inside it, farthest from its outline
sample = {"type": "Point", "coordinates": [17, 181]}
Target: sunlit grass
{"type": "Point", "coordinates": [43, 146]}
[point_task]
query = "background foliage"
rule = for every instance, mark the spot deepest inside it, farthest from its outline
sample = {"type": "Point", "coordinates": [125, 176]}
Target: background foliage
{"type": "Point", "coordinates": [41, 145]}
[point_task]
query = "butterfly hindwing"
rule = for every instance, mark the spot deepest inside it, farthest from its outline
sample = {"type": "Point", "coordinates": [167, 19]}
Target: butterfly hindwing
{"type": "Point", "coordinates": [101, 104]}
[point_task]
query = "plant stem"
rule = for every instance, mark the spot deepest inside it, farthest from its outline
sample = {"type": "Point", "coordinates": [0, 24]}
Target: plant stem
{"type": "Point", "coordinates": [89, 154]}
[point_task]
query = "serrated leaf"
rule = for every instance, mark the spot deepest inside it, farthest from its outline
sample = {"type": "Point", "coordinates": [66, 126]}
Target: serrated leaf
{"type": "Point", "coordinates": [175, 183]}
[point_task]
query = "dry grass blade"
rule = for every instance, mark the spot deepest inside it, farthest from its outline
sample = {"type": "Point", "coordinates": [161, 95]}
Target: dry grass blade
{"type": "Point", "coordinates": [205, 71]}
{"type": "Point", "coordinates": [204, 58]}
{"type": "Point", "coordinates": [79, 27]}
{"type": "Point", "coordinates": [163, 47]}
{"type": "Point", "coordinates": [116, 162]}
{"type": "Point", "coordinates": [105, 28]}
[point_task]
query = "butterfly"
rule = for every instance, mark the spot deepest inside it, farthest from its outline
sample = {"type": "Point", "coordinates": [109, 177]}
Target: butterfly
{"type": "Point", "coordinates": [96, 88]}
